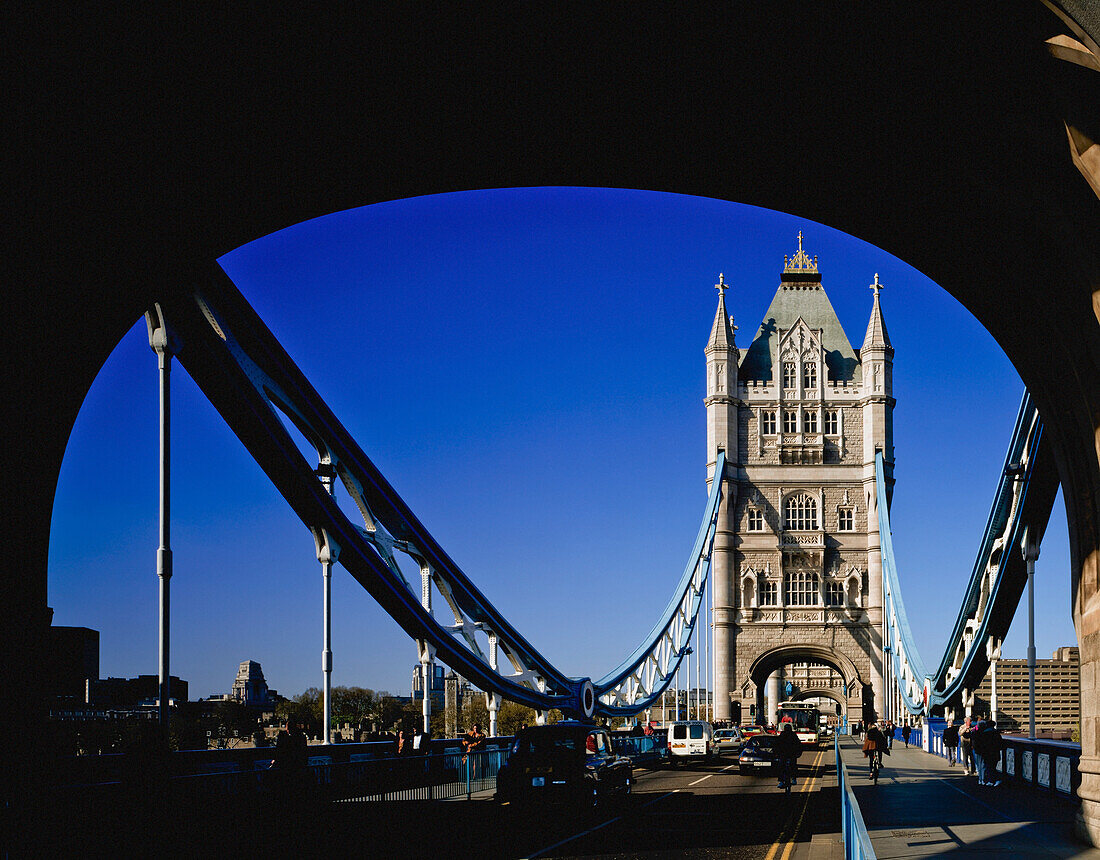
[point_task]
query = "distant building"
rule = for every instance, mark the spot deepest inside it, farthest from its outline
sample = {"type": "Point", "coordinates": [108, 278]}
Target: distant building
{"type": "Point", "coordinates": [436, 692]}
{"type": "Point", "coordinates": [132, 693]}
{"type": "Point", "coordinates": [72, 661]}
{"type": "Point", "coordinates": [251, 689]}
{"type": "Point", "coordinates": [1057, 693]}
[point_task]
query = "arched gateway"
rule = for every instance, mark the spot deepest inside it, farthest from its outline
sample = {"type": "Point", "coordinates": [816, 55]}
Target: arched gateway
{"type": "Point", "coordinates": [796, 560]}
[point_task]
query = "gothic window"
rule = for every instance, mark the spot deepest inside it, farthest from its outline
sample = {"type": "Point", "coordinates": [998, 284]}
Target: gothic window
{"type": "Point", "coordinates": [769, 593]}
{"type": "Point", "coordinates": [809, 374]}
{"type": "Point", "coordinates": [767, 423]}
{"type": "Point", "coordinates": [832, 423]}
{"type": "Point", "coordinates": [756, 520]}
{"type": "Point", "coordinates": [802, 588]}
{"type": "Point", "coordinates": [789, 375]}
{"type": "Point", "coordinates": [801, 513]}
{"type": "Point", "coordinates": [809, 421]}
{"type": "Point", "coordinates": [834, 593]}
{"type": "Point", "coordinates": [790, 421]}
{"type": "Point", "coordinates": [845, 520]}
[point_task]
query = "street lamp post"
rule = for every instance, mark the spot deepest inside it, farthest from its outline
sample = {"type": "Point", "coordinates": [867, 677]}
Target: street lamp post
{"type": "Point", "coordinates": [1030, 549]}
{"type": "Point", "coordinates": [327, 553]}
{"type": "Point", "coordinates": [164, 345]}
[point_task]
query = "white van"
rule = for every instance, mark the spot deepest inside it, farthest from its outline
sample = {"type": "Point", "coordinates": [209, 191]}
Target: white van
{"type": "Point", "coordinates": [690, 739]}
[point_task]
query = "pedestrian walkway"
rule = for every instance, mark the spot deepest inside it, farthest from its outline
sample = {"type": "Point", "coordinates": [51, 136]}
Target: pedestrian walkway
{"type": "Point", "coordinates": [921, 807]}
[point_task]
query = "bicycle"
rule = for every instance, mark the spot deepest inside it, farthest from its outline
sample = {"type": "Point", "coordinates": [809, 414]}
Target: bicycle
{"type": "Point", "coordinates": [787, 771]}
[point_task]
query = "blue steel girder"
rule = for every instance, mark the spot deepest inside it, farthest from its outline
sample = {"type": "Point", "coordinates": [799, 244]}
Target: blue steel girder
{"type": "Point", "coordinates": [908, 668]}
{"type": "Point", "coordinates": [1025, 495]}
{"type": "Point", "coordinates": [247, 376]}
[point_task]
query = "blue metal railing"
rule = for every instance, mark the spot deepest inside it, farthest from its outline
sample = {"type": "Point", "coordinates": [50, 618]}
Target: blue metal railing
{"type": "Point", "coordinates": [857, 842]}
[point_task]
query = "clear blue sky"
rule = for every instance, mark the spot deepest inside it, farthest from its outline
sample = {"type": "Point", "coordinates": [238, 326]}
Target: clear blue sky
{"type": "Point", "coordinates": [526, 367]}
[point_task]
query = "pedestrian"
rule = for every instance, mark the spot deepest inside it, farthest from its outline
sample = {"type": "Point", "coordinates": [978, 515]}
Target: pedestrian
{"type": "Point", "coordinates": [472, 742]}
{"type": "Point", "coordinates": [988, 744]}
{"type": "Point", "coordinates": [402, 745]}
{"type": "Point", "coordinates": [978, 741]}
{"type": "Point", "coordinates": [951, 741]}
{"type": "Point", "coordinates": [906, 733]}
{"type": "Point", "coordinates": [966, 749]}
{"type": "Point", "coordinates": [291, 757]}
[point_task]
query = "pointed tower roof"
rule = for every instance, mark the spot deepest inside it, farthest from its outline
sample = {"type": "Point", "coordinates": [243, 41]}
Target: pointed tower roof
{"type": "Point", "coordinates": [800, 294]}
{"type": "Point", "coordinates": [721, 333]}
{"type": "Point", "coordinates": [877, 335]}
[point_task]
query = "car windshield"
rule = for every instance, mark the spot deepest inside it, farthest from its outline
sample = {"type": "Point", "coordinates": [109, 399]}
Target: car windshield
{"type": "Point", "coordinates": [546, 742]}
{"type": "Point", "coordinates": [762, 742]}
{"type": "Point", "coordinates": [696, 732]}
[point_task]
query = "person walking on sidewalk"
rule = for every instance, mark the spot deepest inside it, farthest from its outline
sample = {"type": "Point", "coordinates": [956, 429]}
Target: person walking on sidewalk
{"type": "Point", "coordinates": [906, 733]}
{"type": "Point", "coordinates": [966, 750]}
{"type": "Point", "coordinates": [951, 741]}
{"type": "Point", "coordinates": [987, 747]}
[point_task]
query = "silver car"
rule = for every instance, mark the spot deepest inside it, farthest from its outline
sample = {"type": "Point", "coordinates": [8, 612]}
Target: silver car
{"type": "Point", "coordinates": [728, 741]}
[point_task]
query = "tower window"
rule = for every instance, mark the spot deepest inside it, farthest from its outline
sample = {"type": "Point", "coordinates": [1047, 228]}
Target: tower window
{"type": "Point", "coordinates": [809, 374]}
{"type": "Point", "coordinates": [845, 521]}
{"type": "Point", "coordinates": [756, 520]}
{"type": "Point", "coordinates": [802, 589]}
{"type": "Point", "coordinates": [769, 593]}
{"type": "Point", "coordinates": [789, 375]}
{"type": "Point", "coordinates": [809, 421]}
{"type": "Point", "coordinates": [801, 513]}
{"type": "Point", "coordinates": [832, 423]}
{"type": "Point", "coordinates": [790, 421]}
{"type": "Point", "coordinates": [834, 593]}
{"type": "Point", "coordinates": [767, 423]}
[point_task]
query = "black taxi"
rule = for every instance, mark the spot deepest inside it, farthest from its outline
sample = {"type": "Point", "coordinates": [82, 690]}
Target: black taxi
{"type": "Point", "coordinates": [569, 762]}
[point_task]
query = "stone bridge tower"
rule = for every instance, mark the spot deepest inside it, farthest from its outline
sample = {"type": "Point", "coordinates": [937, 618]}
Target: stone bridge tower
{"type": "Point", "coordinates": [796, 560]}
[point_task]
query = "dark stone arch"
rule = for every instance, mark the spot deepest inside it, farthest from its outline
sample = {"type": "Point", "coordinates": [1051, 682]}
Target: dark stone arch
{"type": "Point", "coordinates": [144, 163]}
{"type": "Point", "coordinates": [776, 658]}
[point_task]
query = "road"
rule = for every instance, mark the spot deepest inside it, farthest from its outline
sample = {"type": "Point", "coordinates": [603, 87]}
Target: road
{"type": "Point", "coordinates": [704, 810]}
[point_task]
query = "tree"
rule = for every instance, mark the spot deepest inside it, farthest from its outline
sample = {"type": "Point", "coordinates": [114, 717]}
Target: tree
{"type": "Point", "coordinates": [357, 706]}
{"type": "Point", "coordinates": [512, 715]}
{"type": "Point", "coordinates": [473, 711]}
{"type": "Point", "coordinates": [306, 708]}
{"type": "Point", "coordinates": [391, 711]}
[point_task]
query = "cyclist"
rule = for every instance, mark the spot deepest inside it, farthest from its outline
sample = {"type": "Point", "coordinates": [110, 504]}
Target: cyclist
{"type": "Point", "coordinates": [787, 750]}
{"type": "Point", "coordinates": [874, 742]}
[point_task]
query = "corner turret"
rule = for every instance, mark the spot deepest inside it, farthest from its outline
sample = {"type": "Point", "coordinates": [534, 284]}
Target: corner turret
{"type": "Point", "coordinates": [721, 401]}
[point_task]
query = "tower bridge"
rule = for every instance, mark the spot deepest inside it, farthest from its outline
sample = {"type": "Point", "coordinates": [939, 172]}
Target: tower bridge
{"type": "Point", "coordinates": [981, 172]}
{"type": "Point", "coordinates": [797, 561]}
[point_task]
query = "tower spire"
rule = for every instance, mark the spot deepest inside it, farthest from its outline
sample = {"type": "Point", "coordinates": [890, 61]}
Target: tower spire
{"type": "Point", "coordinates": [721, 333]}
{"type": "Point", "coordinates": [877, 336]}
